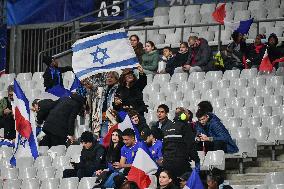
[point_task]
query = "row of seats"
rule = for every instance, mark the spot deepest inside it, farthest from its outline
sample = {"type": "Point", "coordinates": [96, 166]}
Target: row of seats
{"type": "Point", "coordinates": [49, 183]}
{"type": "Point", "coordinates": [196, 14]}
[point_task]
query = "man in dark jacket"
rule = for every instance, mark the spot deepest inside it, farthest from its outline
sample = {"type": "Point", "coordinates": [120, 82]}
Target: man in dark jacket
{"type": "Point", "coordinates": [213, 133]}
{"type": "Point", "coordinates": [178, 145]}
{"type": "Point", "coordinates": [60, 123]}
{"type": "Point", "coordinates": [139, 122]}
{"type": "Point", "coordinates": [42, 108]}
{"type": "Point", "coordinates": [92, 158]}
{"type": "Point", "coordinates": [53, 74]}
{"type": "Point", "coordinates": [200, 56]}
{"type": "Point", "coordinates": [6, 115]}
{"type": "Point", "coordinates": [163, 121]}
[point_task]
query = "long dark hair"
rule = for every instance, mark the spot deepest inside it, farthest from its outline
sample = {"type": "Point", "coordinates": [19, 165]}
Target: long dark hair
{"type": "Point", "coordinates": [112, 151]}
{"type": "Point", "coordinates": [122, 80]}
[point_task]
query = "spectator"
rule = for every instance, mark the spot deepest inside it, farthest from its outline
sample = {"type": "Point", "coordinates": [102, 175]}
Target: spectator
{"type": "Point", "coordinates": [255, 52]}
{"type": "Point", "coordinates": [213, 133]}
{"type": "Point", "coordinates": [154, 145]}
{"type": "Point", "coordinates": [138, 121]}
{"type": "Point", "coordinates": [92, 158]}
{"type": "Point", "coordinates": [137, 46]}
{"type": "Point", "coordinates": [215, 180]}
{"type": "Point", "coordinates": [163, 122]}
{"type": "Point", "coordinates": [200, 57]}
{"type": "Point", "coordinates": [112, 155]}
{"type": "Point", "coordinates": [183, 179]}
{"type": "Point", "coordinates": [6, 115]}
{"type": "Point", "coordinates": [129, 93]}
{"type": "Point", "coordinates": [233, 55]}
{"type": "Point", "coordinates": [150, 59]}
{"type": "Point", "coordinates": [166, 59]}
{"type": "Point", "coordinates": [205, 106]}
{"type": "Point", "coordinates": [60, 122]}
{"type": "Point", "coordinates": [166, 180]}
{"type": "Point", "coordinates": [178, 145]}
{"type": "Point", "coordinates": [53, 74]}
{"type": "Point", "coordinates": [274, 52]}
{"type": "Point", "coordinates": [128, 152]}
{"type": "Point", "coordinates": [108, 94]}
{"type": "Point", "coordinates": [42, 109]}
{"type": "Point", "coordinates": [180, 58]}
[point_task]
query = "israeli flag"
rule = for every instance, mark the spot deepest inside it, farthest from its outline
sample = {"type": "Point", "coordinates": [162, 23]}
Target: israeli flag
{"type": "Point", "coordinates": [104, 52]}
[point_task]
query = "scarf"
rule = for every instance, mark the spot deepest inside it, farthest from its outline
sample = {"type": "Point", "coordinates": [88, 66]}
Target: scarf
{"type": "Point", "coordinates": [55, 72]}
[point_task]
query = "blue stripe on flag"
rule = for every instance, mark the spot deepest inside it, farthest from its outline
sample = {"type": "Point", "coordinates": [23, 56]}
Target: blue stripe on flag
{"type": "Point", "coordinates": [244, 26]}
{"type": "Point", "coordinates": [33, 146]}
{"type": "Point", "coordinates": [127, 62]}
{"type": "Point", "coordinates": [95, 42]}
{"type": "Point", "coordinates": [21, 95]}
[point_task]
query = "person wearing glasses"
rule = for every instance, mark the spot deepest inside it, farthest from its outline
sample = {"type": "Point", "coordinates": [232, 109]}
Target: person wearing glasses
{"type": "Point", "coordinates": [200, 57]}
{"type": "Point", "coordinates": [6, 115]}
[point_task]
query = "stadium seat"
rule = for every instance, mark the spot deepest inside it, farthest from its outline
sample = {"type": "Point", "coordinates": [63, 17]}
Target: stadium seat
{"type": "Point", "coordinates": [218, 103]}
{"type": "Point", "coordinates": [161, 11]}
{"type": "Point", "coordinates": [259, 14]}
{"type": "Point", "coordinates": [87, 183]}
{"type": "Point", "coordinates": [42, 150]}
{"type": "Point", "coordinates": [255, 5]}
{"type": "Point", "coordinates": [264, 26]}
{"type": "Point", "coordinates": [5, 163]}
{"type": "Point", "coordinates": [239, 6]}
{"type": "Point", "coordinates": [264, 91]}
{"type": "Point", "coordinates": [255, 101]}
{"type": "Point", "coordinates": [274, 178]}
{"type": "Point", "coordinates": [228, 93]}
{"type": "Point", "coordinates": [50, 183]}
{"type": "Point", "coordinates": [272, 3]}
{"type": "Point", "coordinates": [265, 111]}
{"type": "Point", "coordinates": [215, 159]}
{"type": "Point", "coordinates": [238, 186]}
{"type": "Point", "coordinates": [279, 134]}
{"type": "Point", "coordinates": [204, 85]}
{"type": "Point", "coordinates": [261, 134]}
{"type": "Point", "coordinates": [276, 13]}
{"type": "Point", "coordinates": [186, 86]}
{"type": "Point", "coordinates": [252, 122]}
{"type": "Point", "coordinates": [229, 74]}
{"type": "Point", "coordinates": [30, 184]}
{"type": "Point", "coordinates": [59, 150]}
{"type": "Point", "coordinates": [60, 161]}
{"type": "Point", "coordinates": [24, 76]}
{"type": "Point", "coordinates": [161, 78]}
{"type": "Point", "coordinates": [23, 162]}
{"type": "Point", "coordinates": [207, 8]}
{"type": "Point", "coordinates": [9, 173]}
{"type": "Point", "coordinates": [214, 75]}
{"type": "Point", "coordinates": [43, 161]}
{"type": "Point", "coordinates": [210, 94]}
{"type": "Point", "coordinates": [69, 183]}
{"type": "Point", "coordinates": [257, 82]}
{"type": "Point", "coordinates": [27, 172]}
{"type": "Point", "coordinates": [239, 83]}
{"type": "Point", "coordinates": [6, 152]}
{"type": "Point", "coordinates": [46, 172]}
{"type": "Point", "coordinates": [249, 73]}
{"type": "Point", "coordinates": [196, 76]}
{"type": "Point", "coordinates": [247, 147]}
{"type": "Point", "coordinates": [191, 10]}
{"type": "Point", "coordinates": [193, 95]}
{"type": "Point", "coordinates": [234, 122]}
{"type": "Point", "coordinates": [158, 97]}
{"type": "Point", "coordinates": [273, 100]}
{"type": "Point", "coordinates": [248, 92]}
{"type": "Point", "coordinates": [173, 40]}
{"type": "Point", "coordinates": [242, 15]}
{"type": "Point", "coordinates": [74, 150]}
{"type": "Point", "coordinates": [12, 184]}
{"type": "Point", "coordinates": [221, 84]}
{"type": "Point", "coordinates": [179, 77]}
{"type": "Point", "coordinates": [242, 133]}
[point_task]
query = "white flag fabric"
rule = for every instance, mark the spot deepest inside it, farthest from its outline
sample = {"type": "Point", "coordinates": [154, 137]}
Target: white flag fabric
{"type": "Point", "coordinates": [102, 53]}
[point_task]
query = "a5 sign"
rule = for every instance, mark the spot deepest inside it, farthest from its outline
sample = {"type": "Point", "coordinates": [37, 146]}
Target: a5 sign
{"type": "Point", "coordinates": [114, 10]}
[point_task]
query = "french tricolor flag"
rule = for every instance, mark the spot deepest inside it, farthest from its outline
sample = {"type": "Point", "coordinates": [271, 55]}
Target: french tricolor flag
{"type": "Point", "coordinates": [142, 169]}
{"type": "Point", "coordinates": [25, 142]}
{"type": "Point", "coordinates": [125, 124]}
{"type": "Point", "coordinates": [242, 26]}
{"type": "Point", "coordinates": [194, 181]}
{"type": "Point", "coordinates": [266, 65]}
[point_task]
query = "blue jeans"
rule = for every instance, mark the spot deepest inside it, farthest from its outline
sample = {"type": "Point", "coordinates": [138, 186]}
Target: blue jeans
{"type": "Point", "coordinates": [109, 183]}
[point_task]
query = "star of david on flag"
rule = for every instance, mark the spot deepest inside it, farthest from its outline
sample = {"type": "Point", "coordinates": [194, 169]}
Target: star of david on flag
{"type": "Point", "coordinates": [100, 55]}
{"type": "Point", "coordinates": [104, 52]}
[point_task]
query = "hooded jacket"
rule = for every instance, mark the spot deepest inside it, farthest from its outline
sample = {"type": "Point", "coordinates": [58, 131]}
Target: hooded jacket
{"type": "Point", "coordinates": [150, 60]}
{"type": "Point", "coordinates": [215, 128]}
{"type": "Point", "coordinates": [61, 119]}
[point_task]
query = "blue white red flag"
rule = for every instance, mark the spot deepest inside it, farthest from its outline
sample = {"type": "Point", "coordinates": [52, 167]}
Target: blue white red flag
{"type": "Point", "coordinates": [26, 144]}
{"type": "Point", "coordinates": [242, 26]}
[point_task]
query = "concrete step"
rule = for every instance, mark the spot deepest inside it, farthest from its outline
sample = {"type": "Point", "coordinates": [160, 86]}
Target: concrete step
{"type": "Point", "coordinates": [263, 169]}
{"type": "Point", "coordinates": [246, 182]}
{"type": "Point", "coordinates": [278, 164]}
{"type": "Point", "coordinates": [247, 176]}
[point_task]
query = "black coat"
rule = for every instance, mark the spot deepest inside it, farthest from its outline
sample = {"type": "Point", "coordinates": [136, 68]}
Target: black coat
{"type": "Point", "coordinates": [254, 56]}
{"type": "Point", "coordinates": [165, 125]}
{"type": "Point", "coordinates": [93, 158]}
{"type": "Point", "coordinates": [50, 82]}
{"type": "Point", "coordinates": [202, 54]}
{"type": "Point", "coordinates": [133, 96]}
{"type": "Point", "coordinates": [170, 186]}
{"type": "Point", "coordinates": [45, 106]}
{"type": "Point", "coordinates": [177, 61]}
{"type": "Point", "coordinates": [114, 154]}
{"type": "Point", "coordinates": [61, 119]}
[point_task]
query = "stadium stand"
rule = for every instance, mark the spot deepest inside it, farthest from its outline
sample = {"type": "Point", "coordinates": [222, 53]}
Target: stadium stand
{"type": "Point", "coordinates": [250, 104]}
